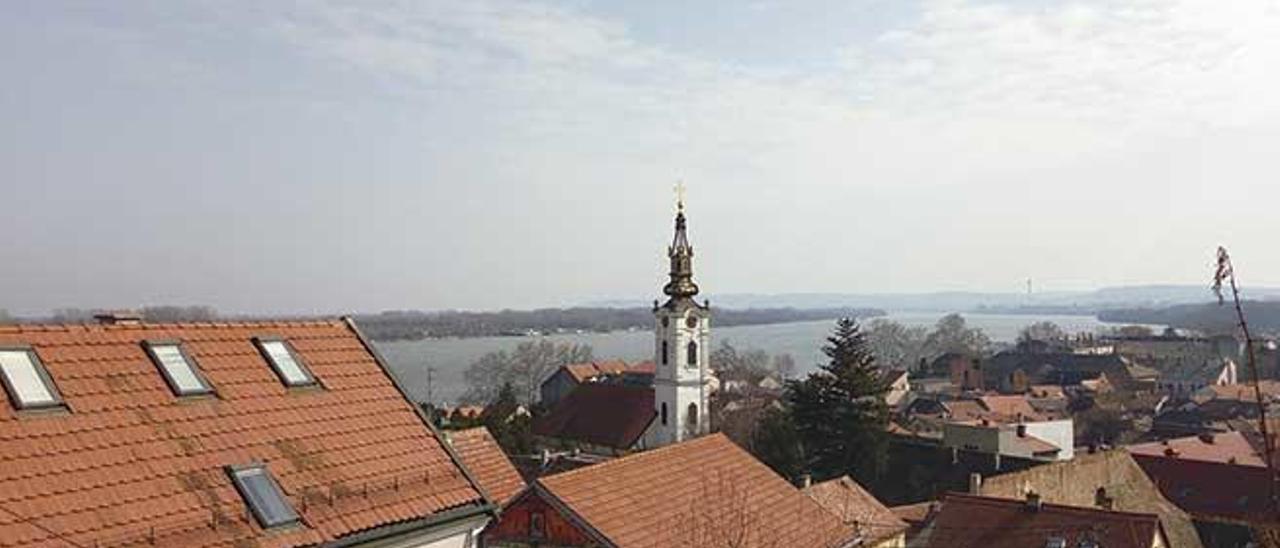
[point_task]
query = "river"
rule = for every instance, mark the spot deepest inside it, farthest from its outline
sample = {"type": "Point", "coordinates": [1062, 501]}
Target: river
{"type": "Point", "coordinates": [803, 340]}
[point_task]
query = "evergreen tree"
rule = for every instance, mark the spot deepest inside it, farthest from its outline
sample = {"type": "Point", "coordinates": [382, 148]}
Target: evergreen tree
{"type": "Point", "coordinates": [839, 413]}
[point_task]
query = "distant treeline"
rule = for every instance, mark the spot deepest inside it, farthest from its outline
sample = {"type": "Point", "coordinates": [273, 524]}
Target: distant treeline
{"type": "Point", "coordinates": [1211, 318]}
{"type": "Point", "coordinates": [412, 325]}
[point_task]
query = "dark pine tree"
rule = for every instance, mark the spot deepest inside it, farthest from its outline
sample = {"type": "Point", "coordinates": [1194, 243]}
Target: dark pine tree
{"type": "Point", "coordinates": [839, 412]}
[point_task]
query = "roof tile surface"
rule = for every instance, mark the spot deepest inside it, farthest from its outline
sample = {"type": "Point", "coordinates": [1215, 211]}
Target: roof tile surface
{"type": "Point", "coordinates": [965, 521]}
{"type": "Point", "coordinates": [129, 462]}
{"type": "Point", "coordinates": [601, 414]}
{"type": "Point", "coordinates": [854, 506]}
{"type": "Point", "coordinates": [482, 455]}
{"type": "Point", "coordinates": [696, 493]}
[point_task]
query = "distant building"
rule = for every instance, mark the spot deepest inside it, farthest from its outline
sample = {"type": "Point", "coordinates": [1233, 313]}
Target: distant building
{"type": "Point", "coordinates": [694, 493]}
{"type": "Point", "coordinates": [569, 377]}
{"type": "Point", "coordinates": [966, 373]}
{"type": "Point", "coordinates": [601, 418]}
{"type": "Point", "coordinates": [1041, 440]}
{"type": "Point", "coordinates": [899, 383]}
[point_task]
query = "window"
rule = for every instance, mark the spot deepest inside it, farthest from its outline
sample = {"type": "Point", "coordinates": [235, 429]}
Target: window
{"type": "Point", "coordinates": [664, 352]}
{"type": "Point", "coordinates": [260, 491]}
{"type": "Point", "coordinates": [664, 413]}
{"type": "Point", "coordinates": [537, 525]}
{"type": "Point", "coordinates": [285, 362]}
{"type": "Point", "coordinates": [26, 380]}
{"type": "Point", "coordinates": [178, 368]}
{"type": "Point", "coordinates": [693, 355]}
{"type": "Point", "coordinates": [692, 416]}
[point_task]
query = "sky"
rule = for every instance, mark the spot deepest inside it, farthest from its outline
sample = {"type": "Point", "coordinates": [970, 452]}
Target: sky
{"type": "Point", "coordinates": [327, 157]}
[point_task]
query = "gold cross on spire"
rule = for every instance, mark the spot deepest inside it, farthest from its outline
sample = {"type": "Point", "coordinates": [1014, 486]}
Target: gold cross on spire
{"type": "Point", "coordinates": [679, 188]}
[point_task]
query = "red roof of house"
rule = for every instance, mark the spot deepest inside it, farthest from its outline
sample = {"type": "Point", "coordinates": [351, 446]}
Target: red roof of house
{"type": "Point", "coordinates": [583, 372]}
{"type": "Point", "coordinates": [857, 508]}
{"type": "Point", "coordinates": [1224, 447]}
{"type": "Point", "coordinates": [696, 493]}
{"type": "Point", "coordinates": [488, 463]}
{"type": "Point", "coordinates": [129, 462]}
{"type": "Point", "coordinates": [608, 415]}
{"type": "Point", "coordinates": [1013, 407]}
{"type": "Point", "coordinates": [966, 521]}
{"type": "Point", "coordinates": [1212, 490]}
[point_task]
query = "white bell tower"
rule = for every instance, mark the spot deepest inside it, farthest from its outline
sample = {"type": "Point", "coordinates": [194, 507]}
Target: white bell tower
{"type": "Point", "coordinates": [682, 344]}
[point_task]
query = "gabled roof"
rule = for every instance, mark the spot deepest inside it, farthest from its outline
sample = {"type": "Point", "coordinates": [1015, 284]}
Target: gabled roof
{"type": "Point", "coordinates": [583, 372]}
{"type": "Point", "coordinates": [857, 508]}
{"type": "Point", "coordinates": [128, 462]}
{"type": "Point", "coordinates": [1224, 447]}
{"type": "Point", "coordinates": [1076, 483]}
{"type": "Point", "coordinates": [966, 521]}
{"type": "Point", "coordinates": [1013, 406]}
{"type": "Point", "coordinates": [488, 463]}
{"type": "Point", "coordinates": [608, 415]}
{"type": "Point", "coordinates": [690, 493]}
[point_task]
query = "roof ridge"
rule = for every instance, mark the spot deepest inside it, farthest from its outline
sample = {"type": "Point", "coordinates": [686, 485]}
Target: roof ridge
{"type": "Point", "coordinates": [90, 325]}
{"type": "Point", "coordinates": [994, 500]}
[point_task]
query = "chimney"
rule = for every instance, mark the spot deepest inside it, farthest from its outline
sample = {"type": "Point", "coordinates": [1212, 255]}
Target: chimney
{"type": "Point", "coordinates": [1033, 501]}
{"type": "Point", "coordinates": [1022, 430]}
{"type": "Point", "coordinates": [1102, 500]}
{"type": "Point", "coordinates": [1207, 438]}
{"type": "Point", "coordinates": [118, 318]}
{"type": "Point", "coordinates": [975, 483]}
{"type": "Point", "coordinates": [805, 481]}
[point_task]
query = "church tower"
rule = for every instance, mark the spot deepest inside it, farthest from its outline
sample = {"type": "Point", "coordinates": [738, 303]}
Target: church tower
{"type": "Point", "coordinates": [682, 337]}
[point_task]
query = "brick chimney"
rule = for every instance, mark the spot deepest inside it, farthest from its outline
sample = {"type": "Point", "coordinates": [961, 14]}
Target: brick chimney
{"type": "Point", "coordinates": [122, 317]}
{"type": "Point", "coordinates": [1033, 501]}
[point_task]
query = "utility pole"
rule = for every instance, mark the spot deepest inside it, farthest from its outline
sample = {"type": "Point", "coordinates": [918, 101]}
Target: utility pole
{"type": "Point", "coordinates": [431, 396]}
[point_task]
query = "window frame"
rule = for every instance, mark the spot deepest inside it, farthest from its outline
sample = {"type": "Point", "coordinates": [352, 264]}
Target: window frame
{"type": "Point", "coordinates": [234, 471]}
{"type": "Point", "coordinates": [261, 343]}
{"type": "Point", "coordinates": [149, 345]}
{"type": "Point", "coordinates": [42, 373]}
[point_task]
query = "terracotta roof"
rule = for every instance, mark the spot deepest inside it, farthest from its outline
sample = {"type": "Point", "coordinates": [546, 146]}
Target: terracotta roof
{"type": "Point", "coordinates": [646, 367]}
{"type": "Point", "coordinates": [488, 463]}
{"type": "Point", "coordinates": [1047, 391]}
{"type": "Point", "coordinates": [1076, 483]}
{"type": "Point", "coordinates": [583, 372]}
{"type": "Point", "coordinates": [913, 514]}
{"type": "Point", "coordinates": [1225, 447]}
{"type": "Point", "coordinates": [1034, 445]}
{"type": "Point", "coordinates": [965, 521]}
{"type": "Point", "coordinates": [691, 493]}
{"type": "Point", "coordinates": [965, 410]}
{"type": "Point", "coordinates": [1010, 406]}
{"type": "Point", "coordinates": [128, 462]}
{"type": "Point", "coordinates": [1212, 490]}
{"type": "Point", "coordinates": [857, 508]}
{"type": "Point", "coordinates": [609, 415]}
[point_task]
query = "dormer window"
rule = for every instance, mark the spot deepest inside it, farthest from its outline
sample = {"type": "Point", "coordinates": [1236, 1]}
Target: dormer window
{"type": "Point", "coordinates": [286, 363]}
{"type": "Point", "coordinates": [263, 495]}
{"type": "Point", "coordinates": [26, 380]}
{"type": "Point", "coordinates": [178, 368]}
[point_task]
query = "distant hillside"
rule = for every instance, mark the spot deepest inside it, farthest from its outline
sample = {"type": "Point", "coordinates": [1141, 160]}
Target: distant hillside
{"type": "Point", "coordinates": [408, 325]}
{"type": "Point", "coordinates": [1263, 316]}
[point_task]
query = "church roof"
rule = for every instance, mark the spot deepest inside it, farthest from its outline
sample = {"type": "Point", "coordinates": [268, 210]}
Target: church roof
{"type": "Point", "coordinates": [693, 494]}
{"type": "Point", "coordinates": [608, 415]}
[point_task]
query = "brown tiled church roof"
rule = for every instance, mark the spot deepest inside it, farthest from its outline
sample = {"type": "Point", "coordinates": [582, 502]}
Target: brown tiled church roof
{"type": "Point", "coordinates": [128, 462]}
{"type": "Point", "coordinates": [488, 464]}
{"type": "Point", "coordinates": [696, 493]}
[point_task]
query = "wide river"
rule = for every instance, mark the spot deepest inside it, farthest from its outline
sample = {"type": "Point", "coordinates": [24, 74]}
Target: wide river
{"type": "Point", "coordinates": [803, 340]}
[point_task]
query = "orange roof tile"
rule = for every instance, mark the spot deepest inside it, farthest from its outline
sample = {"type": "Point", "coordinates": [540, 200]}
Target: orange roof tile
{"type": "Point", "coordinates": [1010, 406]}
{"type": "Point", "coordinates": [857, 508]}
{"type": "Point", "coordinates": [488, 464]}
{"type": "Point", "coordinates": [128, 462]}
{"type": "Point", "coordinates": [691, 493]}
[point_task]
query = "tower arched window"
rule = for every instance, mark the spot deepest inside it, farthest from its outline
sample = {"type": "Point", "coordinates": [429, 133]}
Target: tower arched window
{"type": "Point", "coordinates": [692, 352]}
{"type": "Point", "coordinates": [664, 413]}
{"type": "Point", "coordinates": [692, 418]}
{"type": "Point", "coordinates": [664, 352]}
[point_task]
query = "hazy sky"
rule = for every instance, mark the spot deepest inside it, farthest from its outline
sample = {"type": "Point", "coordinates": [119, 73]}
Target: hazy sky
{"type": "Point", "coordinates": [328, 157]}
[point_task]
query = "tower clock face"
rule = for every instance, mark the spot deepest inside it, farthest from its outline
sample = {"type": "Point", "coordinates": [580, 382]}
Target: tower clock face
{"type": "Point", "coordinates": [691, 322]}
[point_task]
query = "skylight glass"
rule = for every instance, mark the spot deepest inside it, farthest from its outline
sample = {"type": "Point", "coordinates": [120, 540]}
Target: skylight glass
{"type": "Point", "coordinates": [285, 363]}
{"type": "Point", "coordinates": [263, 495]}
{"type": "Point", "coordinates": [178, 369]}
{"type": "Point", "coordinates": [26, 381]}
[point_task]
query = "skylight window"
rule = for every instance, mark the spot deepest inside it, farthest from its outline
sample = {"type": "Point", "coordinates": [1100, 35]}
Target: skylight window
{"type": "Point", "coordinates": [26, 380]}
{"type": "Point", "coordinates": [178, 368]}
{"type": "Point", "coordinates": [264, 497]}
{"type": "Point", "coordinates": [286, 363]}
